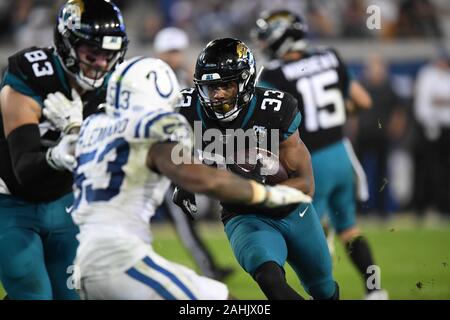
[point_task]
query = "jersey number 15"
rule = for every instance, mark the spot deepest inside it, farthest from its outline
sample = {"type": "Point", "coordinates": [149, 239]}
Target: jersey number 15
{"type": "Point", "coordinates": [317, 97]}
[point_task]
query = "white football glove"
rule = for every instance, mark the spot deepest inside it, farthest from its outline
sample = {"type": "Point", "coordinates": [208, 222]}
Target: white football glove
{"type": "Point", "coordinates": [63, 113]}
{"type": "Point", "coordinates": [62, 156]}
{"type": "Point", "coordinates": [280, 195]}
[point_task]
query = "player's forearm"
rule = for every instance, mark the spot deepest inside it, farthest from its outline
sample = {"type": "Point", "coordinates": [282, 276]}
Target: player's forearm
{"type": "Point", "coordinates": [306, 178]}
{"type": "Point", "coordinates": [215, 183]}
{"type": "Point", "coordinates": [197, 178]}
{"type": "Point", "coordinates": [228, 187]}
{"type": "Point", "coordinates": [359, 98]}
{"type": "Point", "coordinates": [29, 162]}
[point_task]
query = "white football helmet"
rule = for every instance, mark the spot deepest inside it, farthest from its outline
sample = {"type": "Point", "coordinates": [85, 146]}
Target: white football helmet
{"type": "Point", "coordinates": [142, 83]}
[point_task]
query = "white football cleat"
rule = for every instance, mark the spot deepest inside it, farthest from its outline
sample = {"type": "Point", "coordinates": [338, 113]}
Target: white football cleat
{"type": "Point", "coordinates": [377, 295]}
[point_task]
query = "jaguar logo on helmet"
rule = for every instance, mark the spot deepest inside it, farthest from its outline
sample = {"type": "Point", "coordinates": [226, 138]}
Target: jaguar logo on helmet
{"type": "Point", "coordinates": [70, 17]}
{"type": "Point", "coordinates": [241, 50]}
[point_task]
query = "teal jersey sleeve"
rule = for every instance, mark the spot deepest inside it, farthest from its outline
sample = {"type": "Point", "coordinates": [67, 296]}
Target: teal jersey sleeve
{"type": "Point", "coordinates": [36, 72]}
{"type": "Point", "coordinates": [19, 85]}
{"type": "Point", "coordinates": [295, 124]}
{"type": "Point", "coordinates": [292, 118]}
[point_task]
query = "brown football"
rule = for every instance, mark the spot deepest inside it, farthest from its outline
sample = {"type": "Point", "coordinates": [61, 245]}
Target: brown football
{"type": "Point", "coordinates": [271, 169]}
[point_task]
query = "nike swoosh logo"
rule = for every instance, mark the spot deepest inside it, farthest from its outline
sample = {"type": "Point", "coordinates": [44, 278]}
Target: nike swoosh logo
{"type": "Point", "coordinates": [244, 169]}
{"type": "Point", "coordinates": [301, 214]}
{"type": "Point", "coordinates": [68, 209]}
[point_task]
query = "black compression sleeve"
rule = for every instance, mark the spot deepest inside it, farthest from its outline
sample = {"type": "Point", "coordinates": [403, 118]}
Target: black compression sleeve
{"type": "Point", "coordinates": [27, 156]}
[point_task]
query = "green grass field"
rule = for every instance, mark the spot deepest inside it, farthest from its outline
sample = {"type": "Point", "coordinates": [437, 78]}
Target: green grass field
{"type": "Point", "coordinates": [414, 261]}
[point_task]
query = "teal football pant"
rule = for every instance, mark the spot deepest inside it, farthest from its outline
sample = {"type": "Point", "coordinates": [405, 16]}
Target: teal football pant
{"type": "Point", "coordinates": [297, 239]}
{"type": "Point", "coordinates": [37, 245]}
{"type": "Point", "coordinates": [334, 186]}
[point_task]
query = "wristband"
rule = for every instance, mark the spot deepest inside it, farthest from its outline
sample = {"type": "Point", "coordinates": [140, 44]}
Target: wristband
{"type": "Point", "coordinates": [259, 192]}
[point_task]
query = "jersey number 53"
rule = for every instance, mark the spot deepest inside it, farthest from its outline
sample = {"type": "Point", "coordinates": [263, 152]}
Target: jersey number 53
{"type": "Point", "coordinates": [112, 158]}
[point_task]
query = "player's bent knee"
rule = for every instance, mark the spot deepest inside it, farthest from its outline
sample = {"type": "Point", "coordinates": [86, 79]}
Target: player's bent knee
{"type": "Point", "coordinates": [254, 258]}
{"type": "Point", "coordinates": [22, 280]}
{"type": "Point", "coordinates": [325, 290]}
{"type": "Point", "coordinates": [349, 234]}
{"type": "Point", "coordinates": [19, 259]}
{"type": "Point", "coordinates": [17, 267]}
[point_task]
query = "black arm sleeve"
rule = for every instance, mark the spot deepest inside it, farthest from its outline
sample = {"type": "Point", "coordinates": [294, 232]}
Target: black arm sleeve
{"type": "Point", "coordinates": [27, 155]}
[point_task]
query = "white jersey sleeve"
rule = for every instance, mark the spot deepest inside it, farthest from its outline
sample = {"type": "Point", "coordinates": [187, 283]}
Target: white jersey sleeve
{"type": "Point", "coordinates": [164, 127]}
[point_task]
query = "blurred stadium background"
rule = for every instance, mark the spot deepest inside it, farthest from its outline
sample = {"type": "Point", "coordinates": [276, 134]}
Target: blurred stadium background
{"type": "Point", "coordinates": [405, 152]}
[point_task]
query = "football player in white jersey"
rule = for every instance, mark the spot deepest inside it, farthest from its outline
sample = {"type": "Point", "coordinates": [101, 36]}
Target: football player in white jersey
{"type": "Point", "coordinates": [124, 163]}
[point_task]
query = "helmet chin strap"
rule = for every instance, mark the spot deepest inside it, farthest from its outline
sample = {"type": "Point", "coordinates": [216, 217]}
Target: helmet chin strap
{"type": "Point", "coordinates": [84, 82]}
{"type": "Point", "coordinates": [229, 118]}
{"type": "Point", "coordinates": [230, 115]}
{"type": "Point", "coordinates": [88, 83]}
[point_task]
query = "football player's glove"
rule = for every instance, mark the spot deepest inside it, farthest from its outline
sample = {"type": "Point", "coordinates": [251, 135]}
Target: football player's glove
{"type": "Point", "coordinates": [280, 195]}
{"type": "Point", "coordinates": [277, 196]}
{"type": "Point", "coordinates": [61, 157]}
{"type": "Point", "coordinates": [63, 113]}
{"type": "Point", "coordinates": [186, 201]}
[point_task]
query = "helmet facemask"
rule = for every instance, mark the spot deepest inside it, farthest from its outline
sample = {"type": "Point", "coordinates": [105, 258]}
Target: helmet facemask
{"type": "Point", "coordinates": [223, 108]}
{"type": "Point", "coordinates": [85, 57]}
{"type": "Point", "coordinates": [227, 109]}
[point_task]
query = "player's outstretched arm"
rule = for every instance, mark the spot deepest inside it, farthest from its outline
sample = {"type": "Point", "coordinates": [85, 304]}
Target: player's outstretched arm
{"type": "Point", "coordinates": [296, 159]}
{"type": "Point", "coordinates": [199, 178]}
{"type": "Point", "coordinates": [220, 184]}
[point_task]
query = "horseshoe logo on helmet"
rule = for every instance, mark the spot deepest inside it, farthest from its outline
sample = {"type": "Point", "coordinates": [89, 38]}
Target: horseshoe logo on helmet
{"type": "Point", "coordinates": [155, 79]}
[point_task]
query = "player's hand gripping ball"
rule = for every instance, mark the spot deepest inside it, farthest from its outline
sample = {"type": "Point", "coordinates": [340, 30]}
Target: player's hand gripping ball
{"type": "Point", "coordinates": [260, 165]}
